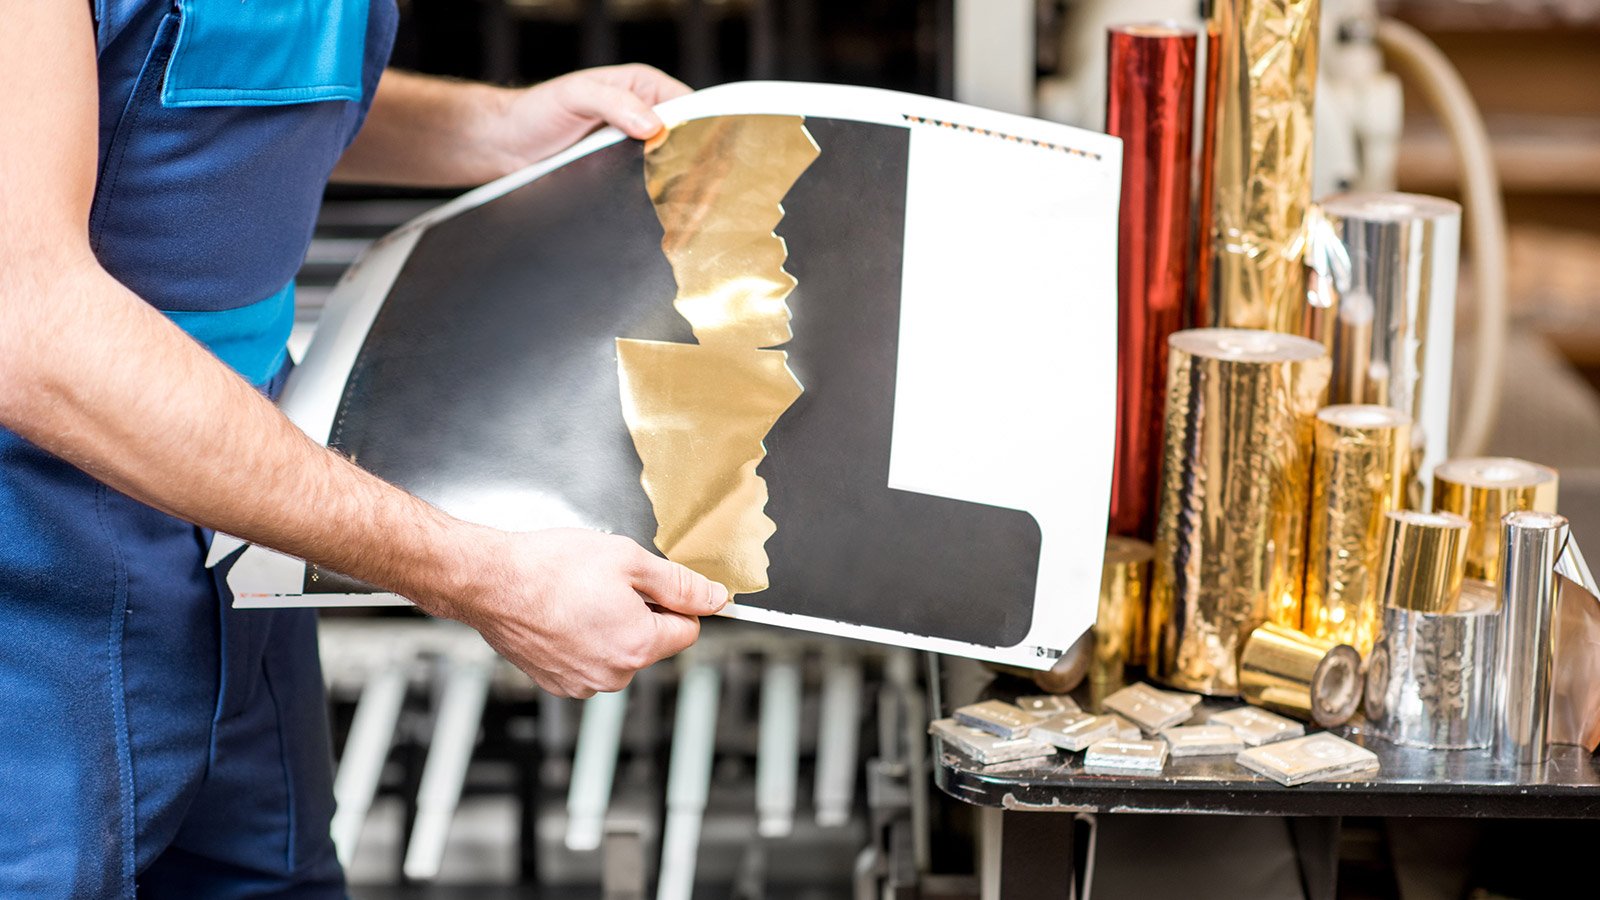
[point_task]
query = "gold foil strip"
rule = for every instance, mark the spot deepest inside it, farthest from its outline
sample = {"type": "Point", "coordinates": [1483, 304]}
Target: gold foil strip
{"type": "Point", "coordinates": [1261, 119]}
{"type": "Point", "coordinates": [1120, 624]}
{"type": "Point", "coordinates": [1363, 454]}
{"type": "Point", "coordinates": [698, 413]}
{"type": "Point", "coordinates": [1484, 489]}
{"type": "Point", "coordinates": [1230, 543]}
{"type": "Point", "coordinates": [1424, 559]}
{"type": "Point", "coordinates": [1296, 674]}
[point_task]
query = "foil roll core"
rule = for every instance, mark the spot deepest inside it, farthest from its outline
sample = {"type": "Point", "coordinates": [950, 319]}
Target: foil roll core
{"type": "Point", "coordinates": [1484, 490]}
{"type": "Point", "coordinates": [1231, 537]}
{"type": "Point", "coordinates": [1294, 673]}
{"type": "Point", "coordinates": [1362, 462]}
{"type": "Point", "coordinates": [1120, 623]}
{"type": "Point", "coordinates": [1532, 544]}
{"type": "Point", "coordinates": [1424, 560]}
{"type": "Point", "coordinates": [1261, 127]}
{"type": "Point", "coordinates": [1150, 70]}
{"type": "Point", "coordinates": [1429, 681]}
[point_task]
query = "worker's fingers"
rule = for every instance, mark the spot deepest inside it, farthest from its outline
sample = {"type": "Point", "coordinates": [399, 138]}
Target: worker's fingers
{"type": "Point", "coordinates": [647, 82]}
{"type": "Point", "coordinates": [593, 98]}
{"type": "Point", "coordinates": [675, 587]}
{"type": "Point", "coordinates": [674, 633]}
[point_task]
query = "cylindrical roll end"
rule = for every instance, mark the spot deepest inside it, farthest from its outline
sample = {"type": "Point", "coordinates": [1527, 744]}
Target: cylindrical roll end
{"type": "Point", "coordinates": [1424, 560]}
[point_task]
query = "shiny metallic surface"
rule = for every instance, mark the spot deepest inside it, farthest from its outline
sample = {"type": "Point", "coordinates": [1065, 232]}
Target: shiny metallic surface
{"type": "Point", "coordinates": [1261, 123]}
{"type": "Point", "coordinates": [698, 412]}
{"type": "Point", "coordinates": [1316, 757]}
{"type": "Point", "coordinates": [1150, 74]}
{"type": "Point", "coordinates": [1363, 456]}
{"type": "Point", "coordinates": [1395, 324]}
{"type": "Point", "coordinates": [1306, 677]}
{"type": "Point", "coordinates": [1424, 560]}
{"type": "Point", "coordinates": [1230, 545]}
{"type": "Point", "coordinates": [1430, 682]}
{"type": "Point", "coordinates": [1120, 624]}
{"type": "Point", "coordinates": [1532, 543]}
{"type": "Point", "coordinates": [1484, 489]}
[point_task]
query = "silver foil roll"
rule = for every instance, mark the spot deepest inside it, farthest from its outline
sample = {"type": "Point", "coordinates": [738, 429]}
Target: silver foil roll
{"type": "Point", "coordinates": [1430, 679]}
{"type": "Point", "coordinates": [1394, 329]}
{"type": "Point", "coordinates": [1532, 544]}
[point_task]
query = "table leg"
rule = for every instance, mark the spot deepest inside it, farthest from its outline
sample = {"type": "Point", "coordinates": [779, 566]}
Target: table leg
{"type": "Point", "coordinates": [1316, 844]}
{"type": "Point", "coordinates": [1025, 855]}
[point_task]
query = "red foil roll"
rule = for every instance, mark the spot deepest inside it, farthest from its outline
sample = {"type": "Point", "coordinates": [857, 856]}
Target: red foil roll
{"type": "Point", "coordinates": [1150, 105]}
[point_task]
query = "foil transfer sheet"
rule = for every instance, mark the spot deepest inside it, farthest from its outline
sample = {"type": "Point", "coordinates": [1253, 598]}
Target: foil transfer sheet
{"type": "Point", "coordinates": [1231, 536]}
{"type": "Point", "coordinates": [1262, 136]}
{"type": "Point", "coordinates": [698, 413]}
{"type": "Point", "coordinates": [1363, 456]}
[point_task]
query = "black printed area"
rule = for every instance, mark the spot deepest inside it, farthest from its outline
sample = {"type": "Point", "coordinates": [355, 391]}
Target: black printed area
{"type": "Point", "coordinates": [489, 380]}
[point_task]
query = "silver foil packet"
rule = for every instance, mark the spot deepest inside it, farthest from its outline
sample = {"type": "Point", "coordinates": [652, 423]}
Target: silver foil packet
{"type": "Point", "coordinates": [1257, 726]}
{"type": "Point", "coordinates": [1203, 740]}
{"type": "Point", "coordinates": [985, 747]}
{"type": "Point", "coordinates": [1149, 708]}
{"type": "Point", "coordinates": [1126, 731]}
{"type": "Point", "coordinates": [1075, 731]}
{"type": "Point", "coordinates": [997, 717]}
{"type": "Point", "coordinates": [1047, 704]}
{"type": "Point", "coordinates": [1126, 756]}
{"type": "Point", "coordinates": [1318, 757]}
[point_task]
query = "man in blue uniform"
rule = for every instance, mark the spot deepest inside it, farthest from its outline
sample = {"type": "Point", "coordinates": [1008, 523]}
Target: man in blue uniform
{"type": "Point", "coordinates": [161, 164]}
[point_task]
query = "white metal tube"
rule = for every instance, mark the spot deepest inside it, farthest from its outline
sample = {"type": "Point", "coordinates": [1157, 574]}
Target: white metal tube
{"type": "Point", "coordinates": [455, 732]}
{"type": "Point", "coordinates": [365, 750]}
{"type": "Point", "coordinates": [838, 733]}
{"type": "Point", "coordinates": [778, 750]}
{"type": "Point", "coordinates": [694, 744]}
{"type": "Point", "coordinates": [594, 766]}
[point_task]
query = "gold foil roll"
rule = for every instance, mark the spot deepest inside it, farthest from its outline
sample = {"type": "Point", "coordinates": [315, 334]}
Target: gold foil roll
{"type": "Point", "coordinates": [1424, 557]}
{"type": "Point", "coordinates": [1261, 122]}
{"type": "Point", "coordinates": [1231, 535]}
{"type": "Point", "coordinates": [1119, 627]}
{"type": "Point", "coordinates": [1363, 454]}
{"type": "Point", "coordinates": [1291, 672]}
{"type": "Point", "coordinates": [1484, 489]}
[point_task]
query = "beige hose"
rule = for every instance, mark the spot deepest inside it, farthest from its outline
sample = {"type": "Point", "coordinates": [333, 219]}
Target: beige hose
{"type": "Point", "coordinates": [1420, 61]}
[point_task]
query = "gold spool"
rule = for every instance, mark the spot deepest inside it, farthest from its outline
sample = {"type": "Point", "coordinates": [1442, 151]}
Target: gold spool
{"type": "Point", "coordinates": [1424, 559]}
{"type": "Point", "coordinates": [1119, 627]}
{"type": "Point", "coordinates": [1484, 489]}
{"type": "Point", "coordinates": [1291, 672]}
{"type": "Point", "coordinates": [1231, 534]}
{"type": "Point", "coordinates": [1261, 119]}
{"type": "Point", "coordinates": [1363, 455]}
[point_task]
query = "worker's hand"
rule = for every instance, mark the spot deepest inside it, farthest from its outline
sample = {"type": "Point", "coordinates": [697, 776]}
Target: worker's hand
{"type": "Point", "coordinates": [547, 118]}
{"type": "Point", "coordinates": [581, 611]}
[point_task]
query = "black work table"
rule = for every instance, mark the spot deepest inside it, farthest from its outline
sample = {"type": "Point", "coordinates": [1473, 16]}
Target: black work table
{"type": "Point", "coordinates": [1409, 783]}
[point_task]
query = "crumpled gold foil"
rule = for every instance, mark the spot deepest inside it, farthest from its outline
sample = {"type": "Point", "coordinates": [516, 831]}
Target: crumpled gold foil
{"type": "Point", "coordinates": [698, 413]}
{"type": "Point", "coordinates": [1261, 178]}
{"type": "Point", "coordinates": [1231, 534]}
{"type": "Point", "coordinates": [1363, 456]}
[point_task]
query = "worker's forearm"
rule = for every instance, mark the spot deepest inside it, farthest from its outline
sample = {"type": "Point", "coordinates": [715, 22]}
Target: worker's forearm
{"type": "Point", "coordinates": [430, 132]}
{"type": "Point", "coordinates": [99, 378]}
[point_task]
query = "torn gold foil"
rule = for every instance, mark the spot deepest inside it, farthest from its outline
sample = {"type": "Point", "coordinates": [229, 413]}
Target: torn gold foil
{"type": "Point", "coordinates": [1484, 490]}
{"type": "Point", "coordinates": [1261, 121]}
{"type": "Point", "coordinates": [1363, 455]}
{"type": "Point", "coordinates": [1231, 534]}
{"type": "Point", "coordinates": [698, 413]}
